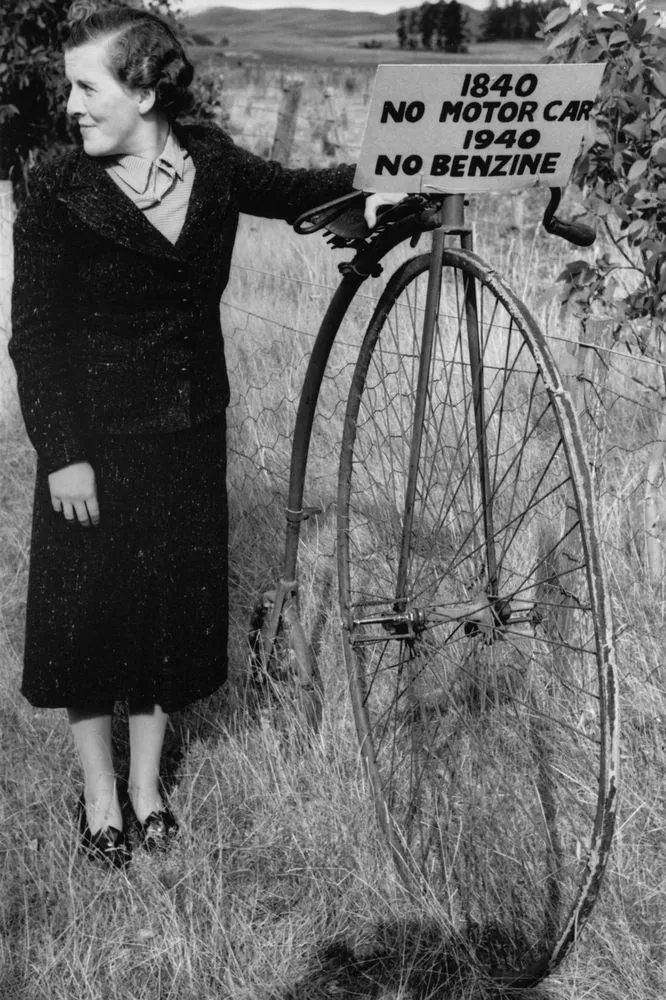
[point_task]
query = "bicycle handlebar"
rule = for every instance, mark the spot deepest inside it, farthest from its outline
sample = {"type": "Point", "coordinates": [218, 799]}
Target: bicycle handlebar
{"type": "Point", "coordinates": [345, 215]}
{"type": "Point", "coordinates": [575, 232]}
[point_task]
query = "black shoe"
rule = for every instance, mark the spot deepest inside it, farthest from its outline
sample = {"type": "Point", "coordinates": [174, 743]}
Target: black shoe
{"type": "Point", "coordinates": [108, 845]}
{"type": "Point", "coordinates": [158, 830]}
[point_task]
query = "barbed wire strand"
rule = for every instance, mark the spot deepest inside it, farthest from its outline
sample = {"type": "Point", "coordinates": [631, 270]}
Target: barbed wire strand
{"type": "Point", "coordinates": [642, 359]}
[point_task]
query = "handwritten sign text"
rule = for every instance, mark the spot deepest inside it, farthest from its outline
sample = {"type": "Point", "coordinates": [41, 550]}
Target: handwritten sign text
{"type": "Point", "coordinates": [467, 128]}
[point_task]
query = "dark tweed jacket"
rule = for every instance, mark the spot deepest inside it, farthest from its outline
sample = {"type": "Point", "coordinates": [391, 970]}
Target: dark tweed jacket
{"type": "Point", "coordinates": [116, 330]}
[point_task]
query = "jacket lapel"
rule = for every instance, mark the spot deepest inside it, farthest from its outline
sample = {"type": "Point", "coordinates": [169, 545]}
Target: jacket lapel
{"type": "Point", "coordinates": [210, 191]}
{"type": "Point", "coordinates": [100, 203]}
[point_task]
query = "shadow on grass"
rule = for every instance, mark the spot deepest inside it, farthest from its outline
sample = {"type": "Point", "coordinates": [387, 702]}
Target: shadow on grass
{"type": "Point", "coordinates": [409, 960]}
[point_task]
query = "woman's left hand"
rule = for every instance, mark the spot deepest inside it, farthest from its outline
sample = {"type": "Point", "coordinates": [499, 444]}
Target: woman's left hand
{"type": "Point", "coordinates": [375, 201]}
{"type": "Point", "coordinates": [74, 494]}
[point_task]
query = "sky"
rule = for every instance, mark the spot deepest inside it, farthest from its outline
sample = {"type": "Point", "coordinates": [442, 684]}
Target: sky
{"type": "Point", "coordinates": [376, 6]}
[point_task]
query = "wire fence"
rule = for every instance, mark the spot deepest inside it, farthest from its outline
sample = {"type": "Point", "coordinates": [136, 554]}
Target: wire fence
{"type": "Point", "coordinates": [267, 357]}
{"type": "Point", "coordinates": [618, 391]}
{"type": "Point", "coordinates": [619, 396]}
{"type": "Point", "coordinates": [328, 121]}
{"type": "Point", "coordinates": [270, 320]}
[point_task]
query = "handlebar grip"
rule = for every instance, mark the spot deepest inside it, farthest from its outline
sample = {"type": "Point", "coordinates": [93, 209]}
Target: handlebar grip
{"type": "Point", "coordinates": [575, 232]}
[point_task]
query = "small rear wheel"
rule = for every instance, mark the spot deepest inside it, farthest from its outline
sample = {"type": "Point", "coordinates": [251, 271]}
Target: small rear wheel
{"type": "Point", "coordinates": [476, 624]}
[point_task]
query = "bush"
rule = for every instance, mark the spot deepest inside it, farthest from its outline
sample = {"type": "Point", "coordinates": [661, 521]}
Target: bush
{"type": "Point", "coordinates": [621, 179]}
{"type": "Point", "coordinates": [31, 84]}
{"type": "Point", "coordinates": [208, 99]}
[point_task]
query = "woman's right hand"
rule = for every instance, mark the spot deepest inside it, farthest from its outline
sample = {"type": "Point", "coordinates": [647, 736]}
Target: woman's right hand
{"type": "Point", "coordinates": [74, 493]}
{"type": "Point", "coordinates": [381, 199]}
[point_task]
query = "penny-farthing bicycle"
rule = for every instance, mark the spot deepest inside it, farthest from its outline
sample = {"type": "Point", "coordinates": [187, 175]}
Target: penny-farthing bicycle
{"type": "Point", "coordinates": [475, 619]}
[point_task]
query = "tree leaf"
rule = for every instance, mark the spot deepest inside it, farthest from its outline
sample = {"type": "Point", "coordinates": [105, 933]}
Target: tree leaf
{"type": "Point", "coordinates": [575, 269]}
{"type": "Point", "coordinates": [566, 34]}
{"type": "Point", "coordinates": [659, 82]}
{"type": "Point", "coordinates": [635, 129]}
{"type": "Point", "coordinates": [637, 170]}
{"type": "Point", "coordinates": [659, 121]}
{"type": "Point", "coordinates": [636, 30]}
{"type": "Point", "coordinates": [557, 17]}
{"type": "Point", "coordinates": [658, 148]}
{"type": "Point", "coordinates": [636, 229]}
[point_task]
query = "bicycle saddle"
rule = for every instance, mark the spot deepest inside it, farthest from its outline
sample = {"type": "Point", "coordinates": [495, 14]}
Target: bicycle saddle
{"type": "Point", "coordinates": [342, 216]}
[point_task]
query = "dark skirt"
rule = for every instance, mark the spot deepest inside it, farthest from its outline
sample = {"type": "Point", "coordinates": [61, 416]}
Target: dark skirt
{"type": "Point", "coordinates": [135, 609]}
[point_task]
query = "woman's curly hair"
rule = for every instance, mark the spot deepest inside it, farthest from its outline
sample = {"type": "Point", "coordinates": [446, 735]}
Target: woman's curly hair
{"type": "Point", "coordinates": [144, 51]}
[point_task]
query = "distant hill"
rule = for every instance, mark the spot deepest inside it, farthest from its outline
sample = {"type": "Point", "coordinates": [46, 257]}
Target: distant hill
{"type": "Point", "coordinates": [299, 22]}
{"type": "Point", "coordinates": [299, 32]}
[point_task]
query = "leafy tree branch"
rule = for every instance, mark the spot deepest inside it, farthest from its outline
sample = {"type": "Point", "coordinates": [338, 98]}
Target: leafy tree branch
{"type": "Point", "coordinates": [621, 178]}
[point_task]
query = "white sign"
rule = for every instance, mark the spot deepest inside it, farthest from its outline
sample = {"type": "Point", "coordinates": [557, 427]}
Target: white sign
{"type": "Point", "coordinates": [476, 128]}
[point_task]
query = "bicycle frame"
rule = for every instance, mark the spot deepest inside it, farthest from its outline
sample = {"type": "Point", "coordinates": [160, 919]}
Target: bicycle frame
{"type": "Point", "coordinates": [450, 221]}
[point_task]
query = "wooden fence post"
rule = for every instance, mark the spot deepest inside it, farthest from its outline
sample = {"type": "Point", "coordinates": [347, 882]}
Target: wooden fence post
{"type": "Point", "coordinates": [517, 210]}
{"type": "Point", "coordinates": [286, 123]}
{"type": "Point", "coordinates": [330, 140]}
{"type": "Point", "coordinates": [6, 276]}
{"type": "Point", "coordinates": [655, 507]}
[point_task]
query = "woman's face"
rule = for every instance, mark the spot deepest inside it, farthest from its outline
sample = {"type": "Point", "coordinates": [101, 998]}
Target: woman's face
{"type": "Point", "coordinates": [110, 115]}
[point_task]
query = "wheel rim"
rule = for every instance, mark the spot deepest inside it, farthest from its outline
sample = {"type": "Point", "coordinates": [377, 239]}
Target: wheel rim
{"type": "Point", "coordinates": [485, 708]}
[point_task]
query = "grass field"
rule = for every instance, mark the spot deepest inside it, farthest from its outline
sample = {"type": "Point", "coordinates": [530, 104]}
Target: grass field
{"type": "Point", "coordinates": [329, 37]}
{"type": "Point", "coordinates": [329, 52]}
{"type": "Point", "coordinates": [302, 35]}
{"type": "Point", "coordinates": [281, 886]}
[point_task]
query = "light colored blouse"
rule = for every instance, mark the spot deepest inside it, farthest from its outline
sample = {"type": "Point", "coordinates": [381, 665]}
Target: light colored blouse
{"type": "Point", "coordinates": [161, 188]}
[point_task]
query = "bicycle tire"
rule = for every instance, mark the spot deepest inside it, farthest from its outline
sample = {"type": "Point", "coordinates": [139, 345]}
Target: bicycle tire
{"type": "Point", "coordinates": [486, 710]}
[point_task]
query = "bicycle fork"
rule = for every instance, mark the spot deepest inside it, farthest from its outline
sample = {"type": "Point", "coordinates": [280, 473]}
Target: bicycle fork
{"type": "Point", "coordinates": [453, 223]}
{"type": "Point", "coordinates": [480, 426]}
{"type": "Point", "coordinates": [422, 396]}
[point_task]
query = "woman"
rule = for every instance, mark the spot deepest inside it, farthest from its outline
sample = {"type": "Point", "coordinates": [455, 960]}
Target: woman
{"type": "Point", "coordinates": [122, 252]}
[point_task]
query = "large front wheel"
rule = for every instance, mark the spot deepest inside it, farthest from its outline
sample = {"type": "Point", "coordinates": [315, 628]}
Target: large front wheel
{"type": "Point", "coordinates": [476, 625]}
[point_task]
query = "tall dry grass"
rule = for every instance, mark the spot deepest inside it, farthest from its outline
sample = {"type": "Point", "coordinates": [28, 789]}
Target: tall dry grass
{"type": "Point", "coordinates": [281, 886]}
